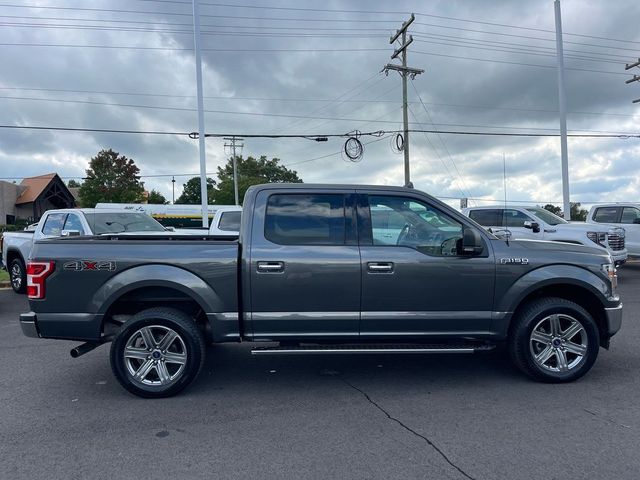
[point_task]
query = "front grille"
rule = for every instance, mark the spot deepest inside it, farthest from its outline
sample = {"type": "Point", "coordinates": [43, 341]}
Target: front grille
{"type": "Point", "coordinates": [616, 241]}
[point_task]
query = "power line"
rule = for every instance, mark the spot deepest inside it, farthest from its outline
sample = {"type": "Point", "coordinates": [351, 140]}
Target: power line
{"type": "Point", "coordinates": [267, 114]}
{"type": "Point", "coordinates": [458, 57]}
{"type": "Point", "coordinates": [311, 100]}
{"type": "Point", "coordinates": [376, 133]}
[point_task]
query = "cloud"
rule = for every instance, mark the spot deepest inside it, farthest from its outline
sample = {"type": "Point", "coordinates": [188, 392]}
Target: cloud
{"type": "Point", "coordinates": [334, 85]}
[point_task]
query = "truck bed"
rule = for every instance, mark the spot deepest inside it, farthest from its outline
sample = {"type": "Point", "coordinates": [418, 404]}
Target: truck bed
{"type": "Point", "coordinates": [102, 268]}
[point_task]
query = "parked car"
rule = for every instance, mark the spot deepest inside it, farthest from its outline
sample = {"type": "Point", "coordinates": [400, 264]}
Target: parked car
{"type": "Point", "coordinates": [535, 223]}
{"type": "Point", "coordinates": [626, 215]}
{"type": "Point", "coordinates": [314, 270]}
{"type": "Point", "coordinates": [16, 246]}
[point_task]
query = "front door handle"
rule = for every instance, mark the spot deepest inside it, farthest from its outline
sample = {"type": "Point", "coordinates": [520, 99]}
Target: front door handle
{"type": "Point", "coordinates": [270, 267]}
{"type": "Point", "coordinates": [380, 267]}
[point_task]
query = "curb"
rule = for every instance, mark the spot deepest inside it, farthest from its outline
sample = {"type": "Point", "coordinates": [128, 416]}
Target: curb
{"type": "Point", "coordinates": [5, 284]}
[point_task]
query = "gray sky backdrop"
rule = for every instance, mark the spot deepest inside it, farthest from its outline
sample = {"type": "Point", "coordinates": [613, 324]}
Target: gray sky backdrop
{"type": "Point", "coordinates": [312, 68]}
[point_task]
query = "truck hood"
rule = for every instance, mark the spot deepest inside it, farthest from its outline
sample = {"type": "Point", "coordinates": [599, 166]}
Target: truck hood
{"type": "Point", "coordinates": [541, 251]}
{"type": "Point", "coordinates": [584, 227]}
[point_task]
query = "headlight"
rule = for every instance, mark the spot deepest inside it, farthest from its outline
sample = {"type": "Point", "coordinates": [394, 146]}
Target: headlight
{"type": "Point", "coordinates": [597, 237]}
{"type": "Point", "coordinates": [610, 271]}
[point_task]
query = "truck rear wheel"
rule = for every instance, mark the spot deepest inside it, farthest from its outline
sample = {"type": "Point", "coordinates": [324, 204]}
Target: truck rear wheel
{"type": "Point", "coordinates": [18, 276]}
{"type": "Point", "coordinates": [554, 340]}
{"type": "Point", "coordinates": [157, 353]}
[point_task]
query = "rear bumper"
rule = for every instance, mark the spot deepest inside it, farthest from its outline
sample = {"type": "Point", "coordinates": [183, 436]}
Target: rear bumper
{"type": "Point", "coordinates": [614, 319]}
{"type": "Point", "coordinates": [29, 325]}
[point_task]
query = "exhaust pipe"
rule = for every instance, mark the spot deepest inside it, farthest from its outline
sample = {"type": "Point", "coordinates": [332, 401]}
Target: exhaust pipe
{"type": "Point", "coordinates": [87, 347]}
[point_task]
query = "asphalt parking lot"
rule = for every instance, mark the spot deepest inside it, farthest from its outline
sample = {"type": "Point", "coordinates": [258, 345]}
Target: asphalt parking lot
{"type": "Point", "coordinates": [361, 417]}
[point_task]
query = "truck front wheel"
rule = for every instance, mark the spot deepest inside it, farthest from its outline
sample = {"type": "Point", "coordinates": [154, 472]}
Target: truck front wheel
{"type": "Point", "coordinates": [157, 353]}
{"type": "Point", "coordinates": [18, 276]}
{"type": "Point", "coordinates": [554, 340]}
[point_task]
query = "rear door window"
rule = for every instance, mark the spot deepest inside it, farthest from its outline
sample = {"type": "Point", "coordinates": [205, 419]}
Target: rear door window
{"type": "Point", "coordinates": [230, 221]}
{"type": "Point", "coordinates": [630, 215]}
{"type": "Point", "coordinates": [606, 215]}
{"type": "Point", "coordinates": [53, 224]}
{"type": "Point", "coordinates": [73, 223]}
{"type": "Point", "coordinates": [515, 218]}
{"type": "Point", "coordinates": [300, 219]}
{"type": "Point", "coordinates": [487, 217]}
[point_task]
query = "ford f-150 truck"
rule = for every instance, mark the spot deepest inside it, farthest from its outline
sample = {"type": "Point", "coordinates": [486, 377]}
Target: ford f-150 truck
{"type": "Point", "coordinates": [325, 269]}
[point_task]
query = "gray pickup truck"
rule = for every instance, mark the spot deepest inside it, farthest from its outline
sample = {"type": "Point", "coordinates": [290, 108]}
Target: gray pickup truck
{"type": "Point", "coordinates": [324, 269]}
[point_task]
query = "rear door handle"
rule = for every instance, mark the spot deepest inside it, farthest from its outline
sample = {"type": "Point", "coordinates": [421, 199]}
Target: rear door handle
{"type": "Point", "coordinates": [380, 267]}
{"type": "Point", "coordinates": [270, 267]}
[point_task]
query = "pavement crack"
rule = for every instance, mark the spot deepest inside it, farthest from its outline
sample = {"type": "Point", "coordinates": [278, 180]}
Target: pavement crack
{"type": "Point", "coordinates": [408, 429]}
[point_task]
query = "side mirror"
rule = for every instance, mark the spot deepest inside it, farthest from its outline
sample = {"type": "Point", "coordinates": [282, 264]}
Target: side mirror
{"type": "Point", "coordinates": [471, 242]}
{"type": "Point", "coordinates": [535, 226]}
{"type": "Point", "coordinates": [170, 229]}
{"type": "Point", "coordinates": [70, 233]}
{"type": "Point", "coordinates": [636, 221]}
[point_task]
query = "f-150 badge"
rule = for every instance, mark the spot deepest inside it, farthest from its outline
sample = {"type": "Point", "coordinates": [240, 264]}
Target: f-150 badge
{"type": "Point", "coordinates": [81, 265]}
{"type": "Point", "coordinates": [514, 261]}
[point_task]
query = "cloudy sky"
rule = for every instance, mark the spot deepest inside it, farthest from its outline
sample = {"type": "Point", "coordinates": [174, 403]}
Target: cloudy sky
{"type": "Point", "coordinates": [308, 67]}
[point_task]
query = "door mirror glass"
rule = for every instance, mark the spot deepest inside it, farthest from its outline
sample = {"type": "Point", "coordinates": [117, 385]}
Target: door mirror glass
{"type": "Point", "coordinates": [535, 226]}
{"type": "Point", "coordinates": [471, 242]}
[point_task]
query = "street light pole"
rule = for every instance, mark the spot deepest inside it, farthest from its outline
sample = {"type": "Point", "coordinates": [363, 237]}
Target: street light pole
{"type": "Point", "coordinates": [201, 144]}
{"type": "Point", "coordinates": [562, 107]}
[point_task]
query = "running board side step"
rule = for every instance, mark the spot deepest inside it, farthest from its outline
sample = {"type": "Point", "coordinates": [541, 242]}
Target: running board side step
{"type": "Point", "coordinates": [374, 348]}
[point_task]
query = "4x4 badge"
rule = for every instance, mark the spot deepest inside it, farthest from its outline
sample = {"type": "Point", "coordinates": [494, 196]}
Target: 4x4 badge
{"type": "Point", "coordinates": [80, 265]}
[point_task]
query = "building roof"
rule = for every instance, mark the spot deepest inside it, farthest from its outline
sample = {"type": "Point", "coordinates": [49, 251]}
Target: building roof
{"type": "Point", "coordinates": [35, 186]}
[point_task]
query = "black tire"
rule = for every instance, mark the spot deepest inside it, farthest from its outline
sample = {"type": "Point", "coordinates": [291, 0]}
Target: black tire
{"type": "Point", "coordinates": [524, 350]}
{"type": "Point", "coordinates": [18, 275]}
{"type": "Point", "coordinates": [188, 347]}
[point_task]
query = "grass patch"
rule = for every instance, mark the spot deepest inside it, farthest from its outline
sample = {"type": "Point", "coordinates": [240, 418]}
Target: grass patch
{"type": "Point", "coordinates": [4, 275]}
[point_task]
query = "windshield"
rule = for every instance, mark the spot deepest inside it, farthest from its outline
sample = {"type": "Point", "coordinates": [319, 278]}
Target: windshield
{"type": "Point", "coordinates": [546, 216]}
{"type": "Point", "coordinates": [116, 222]}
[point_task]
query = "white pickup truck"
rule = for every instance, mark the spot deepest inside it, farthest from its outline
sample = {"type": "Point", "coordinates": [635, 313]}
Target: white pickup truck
{"type": "Point", "coordinates": [225, 223]}
{"type": "Point", "coordinates": [625, 215]}
{"type": "Point", "coordinates": [16, 246]}
{"type": "Point", "coordinates": [535, 223]}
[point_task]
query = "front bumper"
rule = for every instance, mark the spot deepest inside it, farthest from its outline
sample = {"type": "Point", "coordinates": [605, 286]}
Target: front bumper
{"type": "Point", "coordinates": [29, 324]}
{"type": "Point", "coordinates": [614, 319]}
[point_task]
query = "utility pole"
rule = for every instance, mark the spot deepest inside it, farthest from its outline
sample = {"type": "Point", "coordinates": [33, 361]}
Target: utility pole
{"type": "Point", "coordinates": [635, 78]}
{"type": "Point", "coordinates": [562, 107]}
{"type": "Point", "coordinates": [201, 138]}
{"type": "Point", "coordinates": [233, 146]}
{"type": "Point", "coordinates": [404, 72]}
{"type": "Point", "coordinates": [173, 190]}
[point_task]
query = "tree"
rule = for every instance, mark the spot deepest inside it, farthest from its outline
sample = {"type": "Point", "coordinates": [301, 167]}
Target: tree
{"type": "Point", "coordinates": [553, 209]}
{"type": "Point", "coordinates": [577, 214]}
{"type": "Point", "coordinates": [111, 178]}
{"type": "Point", "coordinates": [155, 197]}
{"type": "Point", "coordinates": [191, 192]}
{"type": "Point", "coordinates": [251, 171]}
{"type": "Point", "coordinates": [73, 184]}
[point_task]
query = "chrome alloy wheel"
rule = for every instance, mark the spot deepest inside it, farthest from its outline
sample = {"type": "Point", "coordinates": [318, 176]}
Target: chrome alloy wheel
{"type": "Point", "coordinates": [558, 343]}
{"type": "Point", "coordinates": [16, 276]}
{"type": "Point", "coordinates": [155, 355]}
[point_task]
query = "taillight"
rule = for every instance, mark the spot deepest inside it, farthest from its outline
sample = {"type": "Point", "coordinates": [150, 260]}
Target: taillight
{"type": "Point", "coordinates": [37, 273]}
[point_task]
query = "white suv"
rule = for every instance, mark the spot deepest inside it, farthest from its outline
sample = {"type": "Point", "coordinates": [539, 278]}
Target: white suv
{"type": "Point", "coordinates": [622, 214]}
{"type": "Point", "coordinates": [536, 223]}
